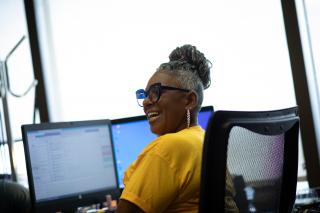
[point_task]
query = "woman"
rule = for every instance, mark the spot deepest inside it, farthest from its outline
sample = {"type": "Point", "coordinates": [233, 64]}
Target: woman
{"type": "Point", "coordinates": [166, 175]}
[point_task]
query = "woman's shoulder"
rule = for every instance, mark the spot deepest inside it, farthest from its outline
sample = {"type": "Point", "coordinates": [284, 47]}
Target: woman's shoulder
{"type": "Point", "coordinates": [183, 134]}
{"type": "Point", "coordinates": [182, 141]}
{"type": "Point", "coordinates": [192, 134]}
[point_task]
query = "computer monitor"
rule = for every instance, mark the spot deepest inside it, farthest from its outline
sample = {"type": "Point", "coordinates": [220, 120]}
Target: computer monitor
{"type": "Point", "coordinates": [132, 134]}
{"type": "Point", "coordinates": [69, 164]}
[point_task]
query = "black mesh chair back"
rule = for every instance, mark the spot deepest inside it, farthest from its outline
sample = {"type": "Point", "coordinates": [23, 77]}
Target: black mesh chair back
{"type": "Point", "coordinates": [259, 150]}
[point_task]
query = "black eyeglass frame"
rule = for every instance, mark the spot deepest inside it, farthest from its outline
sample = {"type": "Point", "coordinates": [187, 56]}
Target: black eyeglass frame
{"type": "Point", "coordinates": [142, 94]}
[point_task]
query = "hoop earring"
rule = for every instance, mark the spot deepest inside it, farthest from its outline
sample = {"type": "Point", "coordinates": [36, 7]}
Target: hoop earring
{"type": "Point", "coordinates": [188, 118]}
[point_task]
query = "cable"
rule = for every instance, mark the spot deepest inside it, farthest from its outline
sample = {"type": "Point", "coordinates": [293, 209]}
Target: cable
{"type": "Point", "coordinates": [4, 88]}
{"type": "Point", "coordinates": [35, 106]}
{"type": "Point", "coordinates": [7, 82]}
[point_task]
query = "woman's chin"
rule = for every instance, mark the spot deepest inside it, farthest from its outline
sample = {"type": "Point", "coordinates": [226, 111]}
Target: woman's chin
{"type": "Point", "coordinates": [155, 129]}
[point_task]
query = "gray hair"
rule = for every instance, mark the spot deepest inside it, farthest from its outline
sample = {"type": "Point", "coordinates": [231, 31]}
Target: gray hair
{"type": "Point", "coordinates": [187, 80]}
{"type": "Point", "coordinates": [190, 68]}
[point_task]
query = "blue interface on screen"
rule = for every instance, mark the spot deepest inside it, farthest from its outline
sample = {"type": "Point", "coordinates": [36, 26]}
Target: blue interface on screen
{"type": "Point", "coordinates": [129, 139]}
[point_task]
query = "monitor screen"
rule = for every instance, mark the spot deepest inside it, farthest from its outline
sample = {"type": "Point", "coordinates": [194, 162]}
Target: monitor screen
{"type": "Point", "coordinates": [132, 134]}
{"type": "Point", "coordinates": [69, 164]}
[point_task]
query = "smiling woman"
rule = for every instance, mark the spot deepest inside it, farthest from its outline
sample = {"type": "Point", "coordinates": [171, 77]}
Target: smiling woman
{"type": "Point", "coordinates": [168, 115]}
{"type": "Point", "coordinates": [166, 175]}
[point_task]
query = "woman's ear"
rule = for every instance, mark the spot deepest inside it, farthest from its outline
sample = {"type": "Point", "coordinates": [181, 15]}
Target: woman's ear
{"type": "Point", "coordinates": [192, 100]}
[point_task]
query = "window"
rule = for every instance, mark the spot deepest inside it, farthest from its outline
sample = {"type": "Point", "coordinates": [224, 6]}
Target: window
{"type": "Point", "coordinates": [20, 76]}
{"type": "Point", "coordinates": [309, 20]}
{"type": "Point", "coordinates": [91, 48]}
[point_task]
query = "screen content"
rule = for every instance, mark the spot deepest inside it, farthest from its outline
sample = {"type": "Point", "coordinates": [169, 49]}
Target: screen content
{"type": "Point", "coordinates": [130, 137]}
{"type": "Point", "coordinates": [70, 161]}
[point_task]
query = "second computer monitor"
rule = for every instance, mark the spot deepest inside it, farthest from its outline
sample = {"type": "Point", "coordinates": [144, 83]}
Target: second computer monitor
{"type": "Point", "coordinates": [132, 134]}
{"type": "Point", "coordinates": [69, 164]}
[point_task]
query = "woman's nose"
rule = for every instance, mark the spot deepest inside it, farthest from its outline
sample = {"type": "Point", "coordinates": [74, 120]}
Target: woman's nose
{"type": "Point", "coordinates": [146, 102]}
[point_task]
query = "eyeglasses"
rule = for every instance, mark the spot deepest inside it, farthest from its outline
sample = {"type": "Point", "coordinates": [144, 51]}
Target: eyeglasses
{"type": "Point", "coordinates": [154, 92]}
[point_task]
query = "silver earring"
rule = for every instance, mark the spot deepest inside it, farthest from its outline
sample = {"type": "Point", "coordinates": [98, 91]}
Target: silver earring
{"type": "Point", "coordinates": [188, 118]}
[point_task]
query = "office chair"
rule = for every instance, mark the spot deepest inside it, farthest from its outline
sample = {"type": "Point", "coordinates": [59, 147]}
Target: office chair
{"type": "Point", "coordinates": [260, 152]}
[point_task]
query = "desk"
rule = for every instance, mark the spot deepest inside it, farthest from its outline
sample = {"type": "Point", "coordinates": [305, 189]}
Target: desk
{"type": "Point", "coordinates": [307, 200]}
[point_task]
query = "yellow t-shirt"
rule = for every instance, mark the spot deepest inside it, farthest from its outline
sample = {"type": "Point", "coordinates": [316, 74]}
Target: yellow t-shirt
{"type": "Point", "coordinates": [166, 175]}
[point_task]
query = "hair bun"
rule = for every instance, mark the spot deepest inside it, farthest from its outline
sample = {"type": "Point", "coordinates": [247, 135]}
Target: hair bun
{"type": "Point", "coordinates": [196, 60]}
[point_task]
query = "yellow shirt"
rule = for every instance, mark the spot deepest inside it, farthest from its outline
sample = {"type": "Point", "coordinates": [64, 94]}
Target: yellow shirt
{"type": "Point", "coordinates": [166, 175]}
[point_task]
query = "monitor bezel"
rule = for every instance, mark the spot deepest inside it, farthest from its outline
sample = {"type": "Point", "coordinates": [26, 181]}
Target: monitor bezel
{"type": "Point", "coordinates": [68, 203]}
